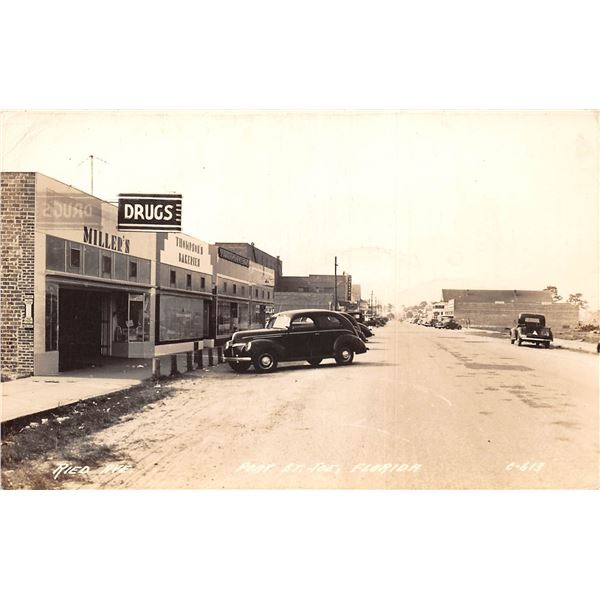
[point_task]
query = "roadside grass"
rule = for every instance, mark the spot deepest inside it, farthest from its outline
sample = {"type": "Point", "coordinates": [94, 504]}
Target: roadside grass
{"type": "Point", "coordinates": [32, 445]}
{"type": "Point", "coordinates": [577, 335]}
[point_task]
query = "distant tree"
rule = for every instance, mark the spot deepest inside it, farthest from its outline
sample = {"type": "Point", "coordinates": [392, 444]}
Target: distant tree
{"type": "Point", "coordinates": [577, 300]}
{"type": "Point", "coordinates": [423, 304]}
{"type": "Point", "coordinates": [554, 290]}
{"type": "Point", "coordinates": [409, 314]}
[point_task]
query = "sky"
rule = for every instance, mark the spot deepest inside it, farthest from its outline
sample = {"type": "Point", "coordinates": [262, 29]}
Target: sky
{"type": "Point", "coordinates": [409, 202]}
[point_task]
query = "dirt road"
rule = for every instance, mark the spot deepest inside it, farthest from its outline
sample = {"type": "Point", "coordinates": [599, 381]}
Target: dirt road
{"type": "Point", "coordinates": [423, 409]}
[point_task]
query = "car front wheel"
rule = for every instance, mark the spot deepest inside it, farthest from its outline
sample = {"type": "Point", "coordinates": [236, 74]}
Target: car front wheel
{"type": "Point", "coordinates": [344, 356]}
{"type": "Point", "coordinates": [265, 362]}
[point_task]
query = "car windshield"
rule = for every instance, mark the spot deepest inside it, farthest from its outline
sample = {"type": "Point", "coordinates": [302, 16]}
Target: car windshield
{"type": "Point", "coordinates": [278, 322]}
{"type": "Point", "coordinates": [535, 320]}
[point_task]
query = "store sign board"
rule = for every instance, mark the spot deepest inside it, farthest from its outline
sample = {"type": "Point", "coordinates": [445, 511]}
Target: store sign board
{"type": "Point", "coordinates": [233, 257]}
{"type": "Point", "coordinates": [149, 212]}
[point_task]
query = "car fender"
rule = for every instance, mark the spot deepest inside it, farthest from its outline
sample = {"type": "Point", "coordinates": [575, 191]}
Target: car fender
{"type": "Point", "coordinates": [260, 345]}
{"type": "Point", "coordinates": [352, 341]}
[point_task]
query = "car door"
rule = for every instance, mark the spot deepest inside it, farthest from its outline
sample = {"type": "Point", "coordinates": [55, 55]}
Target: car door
{"type": "Point", "coordinates": [299, 338]}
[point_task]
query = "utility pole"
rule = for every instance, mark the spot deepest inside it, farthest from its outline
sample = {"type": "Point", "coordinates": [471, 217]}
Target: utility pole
{"type": "Point", "coordinates": [92, 173]}
{"type": "Point", "coordinates": [91, 158]}
{"type": "Point", "coordinates": [371, 302]}
{"type": "Point", "coordinates": [335, 291]}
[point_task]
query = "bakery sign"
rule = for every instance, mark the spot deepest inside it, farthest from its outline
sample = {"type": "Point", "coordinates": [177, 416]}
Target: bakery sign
{"type": "Point", "coordinates": [149, 212]}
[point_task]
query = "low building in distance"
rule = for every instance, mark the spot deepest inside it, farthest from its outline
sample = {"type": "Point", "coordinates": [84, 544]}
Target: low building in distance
{"type": "Point", "coordinates": [498, 309]}
{"type": "Point", "coordinates": [313, 291]}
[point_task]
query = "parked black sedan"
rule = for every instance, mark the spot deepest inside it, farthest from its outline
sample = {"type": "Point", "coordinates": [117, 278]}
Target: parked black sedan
{"type": "Point", "coordinates": [294, 335]}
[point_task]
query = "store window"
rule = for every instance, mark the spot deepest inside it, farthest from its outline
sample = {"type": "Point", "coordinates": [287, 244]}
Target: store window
{"type": "Point", "coordinates": [256, 293]}
{"type": "Point", "coordinates": [138, 324]}
{"type": "Point", "coordinates": [268, 295]}
{"type": "Point", "coordinates": [55, 253]}
{"type": "Point", "coordinates": [106, 265]}
{"type": "Point", "coordinates": [133, 270]}
{"type": "Point", "coordinates": [225, 286]}
{"type": "Point", "coordinates": [234, 288]}
{"type": "Point", "coordinates": [131, 319]}
{"type": "Point", "coordinates": [51, 317]}
{"type": "Point", "coordinates": [202, 282]}
{"type": "Point", "coordinates": [173, 278]}
{"type": "Point", "coordinates": [182, 318]}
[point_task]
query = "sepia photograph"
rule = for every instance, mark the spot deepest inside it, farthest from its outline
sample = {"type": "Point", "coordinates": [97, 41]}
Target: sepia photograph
{"type": "Point", "coordinates": [299, 301]}
{"type": "Point", "coordinates": [373, 300]}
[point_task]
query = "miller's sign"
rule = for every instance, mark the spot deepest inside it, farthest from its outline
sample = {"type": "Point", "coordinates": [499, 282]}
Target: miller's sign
{"type": "Point", "coordinates": [149, 212]}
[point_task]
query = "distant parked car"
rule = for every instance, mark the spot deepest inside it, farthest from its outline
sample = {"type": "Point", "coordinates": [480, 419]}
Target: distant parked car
{"type": "Point", "coordinates": [294, 335]}
{"type": "Point", "coordinates": [451, 324]}
{"type": "Point", "coordinates": [365, 332]}
{"type": "Point", "coordinates": [355, 325]}
{"type": "Point", "coordinates": [531, 328]}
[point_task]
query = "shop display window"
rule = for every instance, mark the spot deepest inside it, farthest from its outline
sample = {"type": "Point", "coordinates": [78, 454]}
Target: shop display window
{"type": "Point", "coordinates": [182, 318]}
{"type": "Point", "coordinates": [138, 325]}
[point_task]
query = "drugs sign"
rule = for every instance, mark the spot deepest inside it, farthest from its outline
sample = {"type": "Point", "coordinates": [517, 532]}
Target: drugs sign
{"type": "Point", "coordinates": [149, 212]}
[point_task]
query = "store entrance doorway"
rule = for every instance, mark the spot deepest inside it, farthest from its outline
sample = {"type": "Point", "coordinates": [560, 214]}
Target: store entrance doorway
{"type": "Point", "coordinates": [80, 328]}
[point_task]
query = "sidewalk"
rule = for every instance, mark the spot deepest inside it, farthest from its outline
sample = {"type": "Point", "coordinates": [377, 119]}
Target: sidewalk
{"type": "Point", "coordinates": [32, 395]}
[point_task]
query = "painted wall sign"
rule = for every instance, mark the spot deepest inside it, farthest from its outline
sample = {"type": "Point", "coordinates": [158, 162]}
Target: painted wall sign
{"type": "Point", "coordinates": [149, 212]}
{"type": "Point", "coordinates": [233, 257]}
{"type": "Point", "coordinates": [181, 250]}
{"type": "Point", "coordinates": [97, 237]}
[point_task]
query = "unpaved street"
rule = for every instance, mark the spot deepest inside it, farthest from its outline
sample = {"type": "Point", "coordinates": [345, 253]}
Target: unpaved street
{"type": "Point", "coordinates": [423, 409]}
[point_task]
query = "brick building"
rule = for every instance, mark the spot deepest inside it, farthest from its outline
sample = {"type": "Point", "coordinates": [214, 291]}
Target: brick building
{"type": "Point", "coordinates": [17, 232]}
{"type": "Point", "coordinates": [500, 308]}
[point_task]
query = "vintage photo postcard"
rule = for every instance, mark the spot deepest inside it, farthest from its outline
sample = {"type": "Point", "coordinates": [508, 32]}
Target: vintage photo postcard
{"type": "Point", "coordinates": [299, 300]}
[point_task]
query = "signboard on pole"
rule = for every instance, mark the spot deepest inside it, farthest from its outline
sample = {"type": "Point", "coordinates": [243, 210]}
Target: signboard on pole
{"type": "Point", "coordinates": [149, 212]}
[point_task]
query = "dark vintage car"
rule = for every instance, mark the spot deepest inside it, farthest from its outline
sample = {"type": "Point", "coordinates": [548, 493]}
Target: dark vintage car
{"type": "Point", "coordinates": [531, 328]}
{"type": "Point", "coordinates": [362, 330]}
{"type": "Point", "coordinates": [294, 335]}
{"type": "Point", "coordinates": [451, 324]}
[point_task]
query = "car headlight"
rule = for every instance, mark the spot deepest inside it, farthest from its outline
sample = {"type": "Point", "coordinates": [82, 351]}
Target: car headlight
{"type": "Point", "coordinates": [227, 344]}
{"type": "Point", "coordinates": [248, 346]}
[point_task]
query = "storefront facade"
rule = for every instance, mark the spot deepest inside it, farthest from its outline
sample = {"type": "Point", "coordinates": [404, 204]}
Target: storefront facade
{"type": "Point", "coordinates": [94, 286]}
{"type": "Point", "coordinates": [75, 291]}
{"type": "Point", "coordinates": [184, 300]}
{"type": "Point", "coordinates": [243, 292]}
